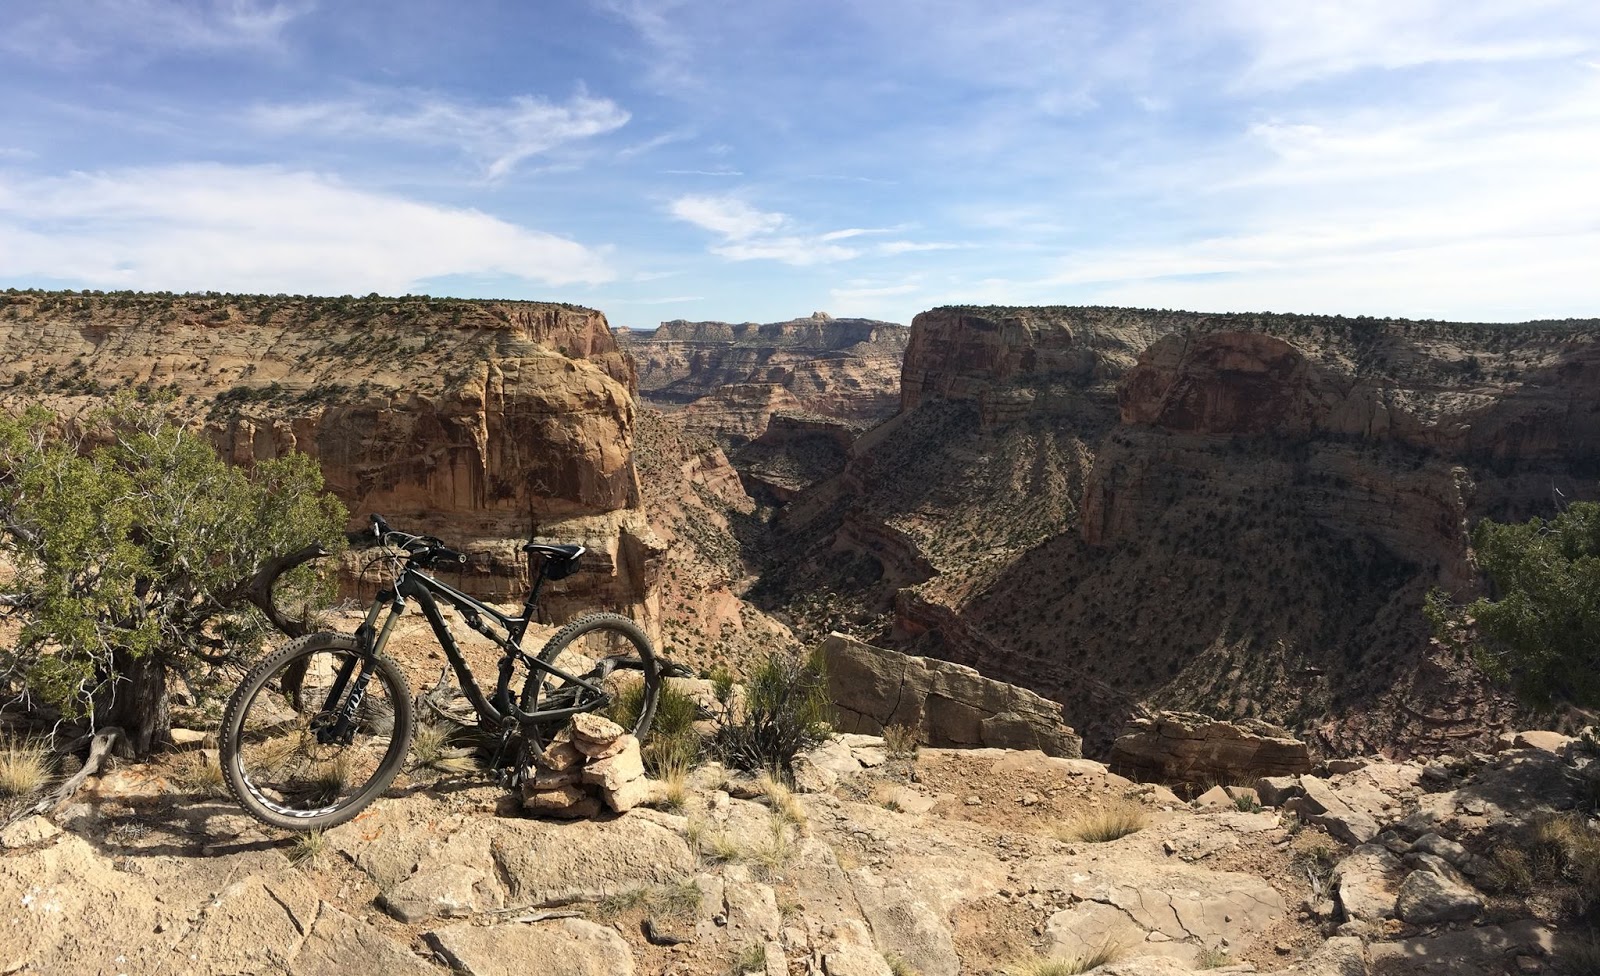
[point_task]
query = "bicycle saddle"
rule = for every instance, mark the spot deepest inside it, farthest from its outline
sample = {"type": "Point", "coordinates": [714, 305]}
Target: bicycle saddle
{"type": "Point", "coordinates": [559, 561]}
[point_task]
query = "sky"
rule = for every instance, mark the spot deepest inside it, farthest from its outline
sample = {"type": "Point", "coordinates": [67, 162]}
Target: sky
{"type": "Point", "coordinates": [760, 161]}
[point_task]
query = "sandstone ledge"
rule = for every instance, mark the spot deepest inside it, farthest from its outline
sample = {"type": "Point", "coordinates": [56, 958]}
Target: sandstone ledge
{"type": "Point", "coordinates": [950, 704]}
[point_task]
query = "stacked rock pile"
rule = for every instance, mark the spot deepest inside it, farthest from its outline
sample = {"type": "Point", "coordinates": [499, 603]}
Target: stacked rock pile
{"type": "Point", "coordinates": [589, 763]}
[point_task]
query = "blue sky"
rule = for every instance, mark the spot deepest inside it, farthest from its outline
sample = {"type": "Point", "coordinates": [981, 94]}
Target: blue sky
{"type": "Point", "coordinates": [662, 159]}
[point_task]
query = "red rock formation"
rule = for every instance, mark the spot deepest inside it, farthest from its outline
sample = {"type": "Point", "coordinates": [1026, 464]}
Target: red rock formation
{"type": "Point", "coordinates": [474, 421]}
{"type": "Point", "coordinates": [843, 368]}
{"type": "Point", "coordinates": [1236, 513]}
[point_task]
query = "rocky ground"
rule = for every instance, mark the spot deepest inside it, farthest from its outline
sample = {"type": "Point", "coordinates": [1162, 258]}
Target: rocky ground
{"type": "Point", "coordinates": [951, 861]}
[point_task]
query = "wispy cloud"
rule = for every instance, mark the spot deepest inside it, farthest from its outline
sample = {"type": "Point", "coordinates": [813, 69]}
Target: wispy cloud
{"type": "Point", "coordinates": [75, 32]}
{"type": "Point", "coordinates": [1292, 44]}
{"type": "Point", "coordinates": [500, 135]}
{"type": "Point", "coordinates": [261, 229]}
{"type": "Point", "coordinates": [749, 234]}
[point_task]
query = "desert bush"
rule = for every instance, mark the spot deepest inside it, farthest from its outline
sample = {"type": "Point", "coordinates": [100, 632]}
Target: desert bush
{"type": "Point", "coordinates": [785, 710]}
{"type": "Point", "coordinates": [1542, 631]}
{"type": "Point", "coordinates": [134, 559]}
{"type": "Point", "coordinates": [672, 745]}
{"type": "Point", "coordinates": [901, 741]}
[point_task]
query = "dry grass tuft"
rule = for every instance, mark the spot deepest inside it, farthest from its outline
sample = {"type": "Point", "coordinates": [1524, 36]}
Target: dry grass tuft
{"type": "Point", "coordinates": [785, 805]}
{"type": "Point", "coordinates": [431, 748]}
{"type": "Point", "coordinates": [1066, 965]}
{"type": "Point", "coordinates": [24, 766]}
{"type": "Point", "coordinates": [196, 774]}
{"type": "Point", "coordinates": [308, 849]}
{"type": "Point", "coordinates": [901, 741]}
{"type": "Point", "coordinates": [1119, 819]}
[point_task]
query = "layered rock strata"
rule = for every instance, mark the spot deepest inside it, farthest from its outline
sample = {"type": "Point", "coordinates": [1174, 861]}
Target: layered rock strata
{"type": "Point", "coordinates": [479, 422]}
{"type": "Point", "coordinates": [1174, 747]}
{"type": "Point", "coordinates": [1239, 514]}
{"type": "Point", "coordinates": [946, 704]}
{"type": "Point", "coordinates": [734, 377]}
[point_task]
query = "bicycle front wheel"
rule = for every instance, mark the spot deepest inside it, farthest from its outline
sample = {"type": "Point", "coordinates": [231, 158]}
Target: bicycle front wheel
{"type": "Point", "coordinates": [315, 733]}
{"type": "Point", "coordinates": [591, 638]}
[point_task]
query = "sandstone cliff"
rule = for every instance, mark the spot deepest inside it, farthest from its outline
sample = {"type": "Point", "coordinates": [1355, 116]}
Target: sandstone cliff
{"type": "Point", "coordinates": [1232, 513]}
{"type": "Point", "coordinates": [843, 368]}
{"type": "Point", "coordinates": [474, 421]}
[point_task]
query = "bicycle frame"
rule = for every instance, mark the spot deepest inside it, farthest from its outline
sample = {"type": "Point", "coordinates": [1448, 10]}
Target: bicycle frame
{"type": "Point", "coordinates": [501, 710]}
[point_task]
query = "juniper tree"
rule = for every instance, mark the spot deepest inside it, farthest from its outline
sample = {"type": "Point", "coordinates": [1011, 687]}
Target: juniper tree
{"type": "Point", "coordinates": [134, 559]}
{"type": "Point", "coordinates": [1539, 627]}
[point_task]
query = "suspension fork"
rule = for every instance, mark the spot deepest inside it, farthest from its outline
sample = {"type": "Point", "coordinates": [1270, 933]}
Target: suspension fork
{"type": "Point", "coordinates": [367, 648]}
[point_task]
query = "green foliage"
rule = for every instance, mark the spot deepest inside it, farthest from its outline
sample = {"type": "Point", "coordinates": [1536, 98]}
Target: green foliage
{"type": "Point", "coordinates": [672, 744]}
{"type": "Point", "coordinates": [139, 549]}
{"type": "Point", "coordinates": [1542, 632]}
{"type": "Point", "coordinates": [785, 710]}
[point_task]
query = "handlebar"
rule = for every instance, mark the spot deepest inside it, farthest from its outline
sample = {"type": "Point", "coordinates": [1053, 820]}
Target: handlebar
{"type": "Point", "coordinates": [424, 550]}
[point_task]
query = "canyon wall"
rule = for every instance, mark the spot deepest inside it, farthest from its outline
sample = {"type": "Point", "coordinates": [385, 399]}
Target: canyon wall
{"type": "Point", "coordinates": [731, 378]}
{"type": "Point", "coordinates": [478, 422]}
{"type": "Point", "coordinates": [1234, 513]}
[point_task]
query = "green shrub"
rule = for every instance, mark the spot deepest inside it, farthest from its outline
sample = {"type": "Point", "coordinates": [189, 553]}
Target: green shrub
{"type": "Point", "coordinates": [672, 745]}
{"type": "Point", "coordinates": [785, 710]}
{"type": "Point", "coordinates": [134, 559]}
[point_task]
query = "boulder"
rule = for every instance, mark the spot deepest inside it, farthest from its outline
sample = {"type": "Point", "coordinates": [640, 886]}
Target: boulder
{"type": "Point", "coordinates": [1429, 897]}
{"type": "Point", "coordinates": [949, 704]}
{"type": "Point", "coordinates": [615, 771]}
{"type": "Point", "coordinates": [1185, 747]}
{"type": "Point", "coordinates": [1367, 883]}
{"type": "Point", "coordinates": [570, 802]}
{"type": "Point", "coordinates": [1327, 808]}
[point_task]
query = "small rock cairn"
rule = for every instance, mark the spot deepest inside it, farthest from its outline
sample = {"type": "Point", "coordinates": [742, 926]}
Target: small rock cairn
{"type": "Point", "coordinates": [592, 761]}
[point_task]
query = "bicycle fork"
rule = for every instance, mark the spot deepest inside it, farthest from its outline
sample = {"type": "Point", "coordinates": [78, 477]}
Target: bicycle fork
{"type": "Point", "coordinates": [340, 729]}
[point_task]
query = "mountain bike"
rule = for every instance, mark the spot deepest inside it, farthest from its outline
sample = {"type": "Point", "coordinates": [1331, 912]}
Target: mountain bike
{"type": "Point", "coordinates": [319, 729]}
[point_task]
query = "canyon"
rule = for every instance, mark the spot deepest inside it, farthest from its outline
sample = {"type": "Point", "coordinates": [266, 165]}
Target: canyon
{"type": "Point", "coordinates": [1119, 509]}
{"type": "Point", "coordinates": [1235, 514]}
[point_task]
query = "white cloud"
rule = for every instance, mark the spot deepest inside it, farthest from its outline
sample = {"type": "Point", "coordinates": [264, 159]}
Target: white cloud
{"type": "Point", "coordinates": [798, 251]}
{"type": "Point", "coordinates": [1293, 43]}
{"type": "Point", "coordinates": [85, 29]}
{"type": "Point", "coordinates": [728, 216]}
{"type": "Point", "coordinates": [502, 136]}
{"type": "Point", "coordinates": [261, 229]}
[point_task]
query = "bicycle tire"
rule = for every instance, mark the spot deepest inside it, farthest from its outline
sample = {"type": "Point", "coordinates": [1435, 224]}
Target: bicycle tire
{"type": "Point", "coordinates": [601, 629]}
{"type": "Point", "coordinates": [271, 761]}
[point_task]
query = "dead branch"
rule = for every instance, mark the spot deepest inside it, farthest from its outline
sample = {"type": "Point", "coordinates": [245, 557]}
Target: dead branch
{"type": "Point", "coordinates": [99, 748]}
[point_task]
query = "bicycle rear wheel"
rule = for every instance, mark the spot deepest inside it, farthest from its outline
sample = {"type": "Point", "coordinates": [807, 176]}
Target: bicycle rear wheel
{"type": "Point", "coordinates": [592, 638]}
{"type": "Point", "coordinates": [297, 752]}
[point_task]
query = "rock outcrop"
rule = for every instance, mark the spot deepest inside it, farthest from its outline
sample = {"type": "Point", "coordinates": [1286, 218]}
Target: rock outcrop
{"type": "Point", "coordinates": [947, 704]}
{"type": "Point", "coordinates": [1181, 747]}
{"type": "Point", "coordinates": [946, 862]}
{"type": "Point", "coordinates": [473, 421]}
{"type": "Point", "coordinates": [731, 379]}
{"type": "Point", "coordinates": [1239, 514]}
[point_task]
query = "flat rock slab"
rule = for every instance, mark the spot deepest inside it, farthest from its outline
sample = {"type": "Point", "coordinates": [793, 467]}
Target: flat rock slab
{"type": "Point", "coordinates": [1479, 951]}
{"type": "Point", "coordinates": [563, 947]}
{"type": "Point", "coordinates": [338, 943]}
{"type": "Point", "coordinates": [1187, 906]}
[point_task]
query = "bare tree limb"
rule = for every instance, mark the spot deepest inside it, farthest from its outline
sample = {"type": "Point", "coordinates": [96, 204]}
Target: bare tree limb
{"type": "Point", "coordinates": [258, 589]}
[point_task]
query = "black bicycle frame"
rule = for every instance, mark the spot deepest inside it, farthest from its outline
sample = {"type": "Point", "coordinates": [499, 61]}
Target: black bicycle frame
{"type": "Point", "coordinates": [499, 710]}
